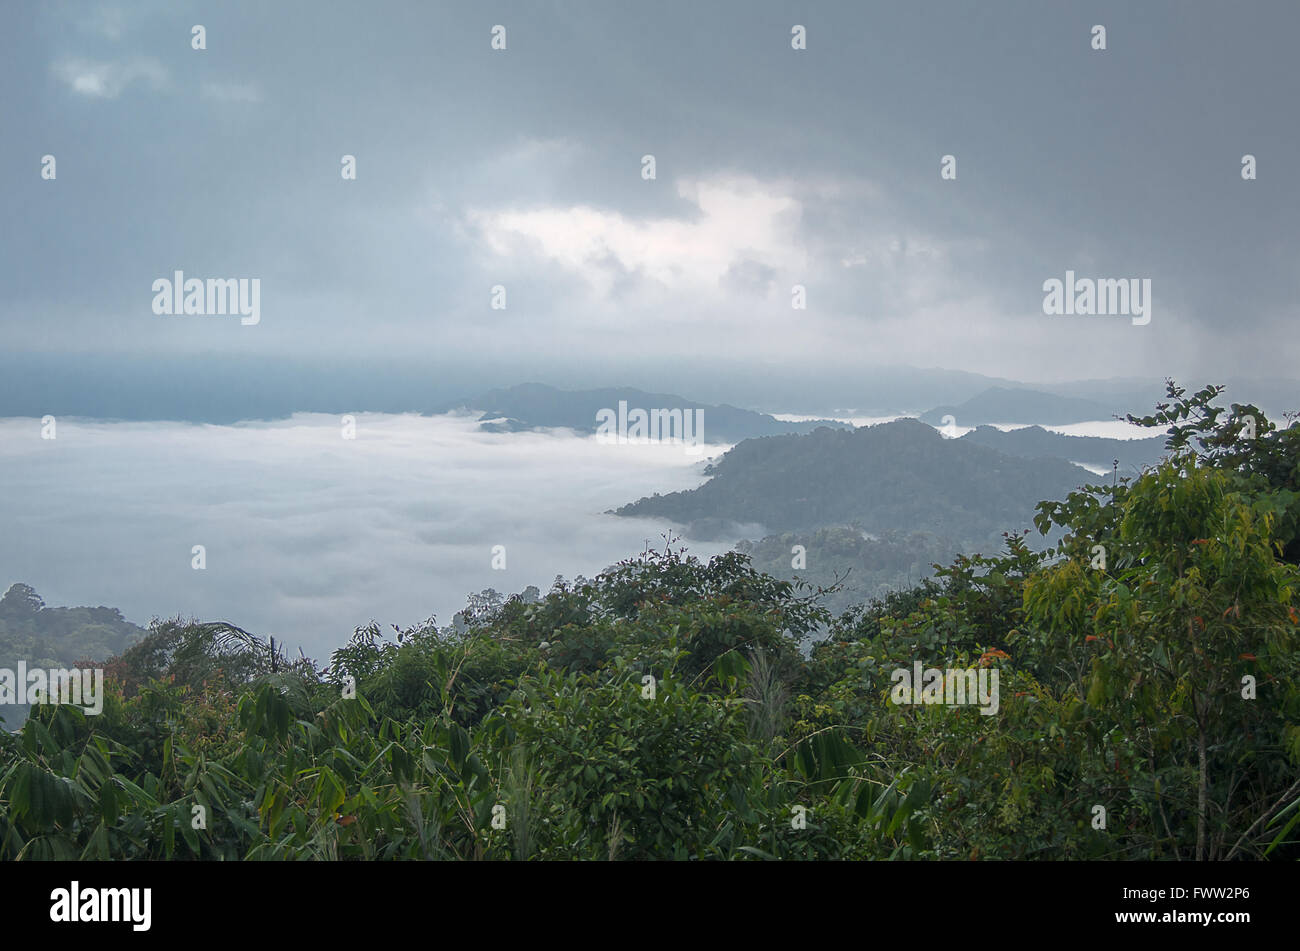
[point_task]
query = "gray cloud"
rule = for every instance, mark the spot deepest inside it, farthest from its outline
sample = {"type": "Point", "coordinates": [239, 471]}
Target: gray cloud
{"type": "Point", "coordinates": [775, 167]}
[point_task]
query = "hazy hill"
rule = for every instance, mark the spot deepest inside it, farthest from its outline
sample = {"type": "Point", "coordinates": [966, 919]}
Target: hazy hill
{"type": "Point", "coordinates": [865, 566]}
{"type": "Point", "coordinates": [1000, 404]}
{"type": "Point", "coordinates": [219, 387]}
{"type": "Point", "coordinates": [1274, 396]}
{"type": "Point", "coordinates": [535, 405]}
{"type": "Point", "coordinates": [56, 637]}
{"type": "Point", "coordinates": [1037, 443]}
{"type": "Point", "coordinates": [898, 477]}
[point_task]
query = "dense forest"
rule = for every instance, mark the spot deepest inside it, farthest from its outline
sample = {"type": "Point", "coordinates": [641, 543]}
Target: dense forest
{"type": "Point", "coordinates": [56, 637]}
{"type": "Point", "coordinates": [868, 512]}
{"type": "Point", "coordinates": [1129, 455]}
{"type": "Point", "coordinates": [849, 565]}
{"type": "Point", "coordinates": [1149, 705]}
{"type": "Point", "coordinates": [896, 477]}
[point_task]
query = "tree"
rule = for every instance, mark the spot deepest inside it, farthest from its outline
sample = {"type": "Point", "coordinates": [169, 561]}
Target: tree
{"type": "Point", "coordinates": [1187, 656]}
{"type": "Point", "coordinates": [1261, 458]}
{"type": "Point", "coordinates": [21, 602]}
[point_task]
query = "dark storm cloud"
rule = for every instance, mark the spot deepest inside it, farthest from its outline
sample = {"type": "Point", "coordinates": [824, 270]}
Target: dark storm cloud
{"type": "Point", "coordinates": [774, 167]}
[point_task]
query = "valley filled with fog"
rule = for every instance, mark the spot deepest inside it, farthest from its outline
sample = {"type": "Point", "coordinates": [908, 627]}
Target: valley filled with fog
{"type": "Point", "coordinates": [307, 535]}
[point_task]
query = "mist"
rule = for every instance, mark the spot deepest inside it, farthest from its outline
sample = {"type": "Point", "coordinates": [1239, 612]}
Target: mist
{"type": "Point", "coordinates": [306, 534]}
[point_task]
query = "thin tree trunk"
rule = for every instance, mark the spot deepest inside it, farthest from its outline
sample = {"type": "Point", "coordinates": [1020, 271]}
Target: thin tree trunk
{"type": "Point", "coordinates": [1201, 796]}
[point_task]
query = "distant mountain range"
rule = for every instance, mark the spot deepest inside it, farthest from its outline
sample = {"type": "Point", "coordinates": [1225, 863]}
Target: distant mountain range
{"type": "Point", "coordinates": [1003, 405]}
{"type": "Point", "coordinates": [225, 387]}
{"type": "Point", "coordinates": [896, 477]}
{"type": "Point", "coordinates": [535, 405]}
{"type": "Point", "coordinates": [1034, 442]}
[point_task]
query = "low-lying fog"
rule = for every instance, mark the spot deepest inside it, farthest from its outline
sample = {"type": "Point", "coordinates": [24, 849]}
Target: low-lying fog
{"type": "Point", "coordinates": [307, 534]}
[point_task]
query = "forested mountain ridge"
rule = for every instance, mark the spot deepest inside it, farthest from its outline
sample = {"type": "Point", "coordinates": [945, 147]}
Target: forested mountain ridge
{"type": "Point", "coordinates": [861, 567]}
{"type": "Point", "coordinates": [31, 631]}
{"type": "Point", "coordinates": [896, 477]}
{"type": "Point", "coordinates": [56, 637]}
{"type": "Point", "coordinates": [1036, 442]}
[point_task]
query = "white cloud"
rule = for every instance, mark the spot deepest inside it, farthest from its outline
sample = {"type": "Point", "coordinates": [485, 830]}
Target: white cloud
{"type": "Point", "coordinates": [308, 535]}
{"type": "Point", "coordinates": [741, 222]}
{"type": "Point", "coordinates": [107, 80]}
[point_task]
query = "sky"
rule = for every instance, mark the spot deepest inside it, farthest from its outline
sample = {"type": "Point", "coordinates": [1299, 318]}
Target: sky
{"type": "Point", "coordinates": [774, 167]}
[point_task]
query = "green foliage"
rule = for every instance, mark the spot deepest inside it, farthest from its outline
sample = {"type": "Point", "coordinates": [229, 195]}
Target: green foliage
{"type": "Point", "coordinates": [664, 709]}
{"type": "Point", "coordinates": [849, 566]}
{"type": "Point", "coordinates": [1159, 649]}
{"type": "Point", "coordinates": [899, 477]}
{"type": "Point", "coordinates": [668, 769]}
{"type": "Point", "coordinates": [59, 638]}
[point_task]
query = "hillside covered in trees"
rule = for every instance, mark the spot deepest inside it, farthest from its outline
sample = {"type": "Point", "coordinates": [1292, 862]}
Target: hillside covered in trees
{"type": "Point", "coordinates": [896, 477]}
{"type": "Point", "coordinates": [56, 637]}
{"type": "Point", "coordinates": [876, 509]}
{"type": "Point", "coordinates": [850, 566]}
{"type": "Point", "coordinates": [1148, 706]}
{"type": "Point", "coordinates": [1036, 442]}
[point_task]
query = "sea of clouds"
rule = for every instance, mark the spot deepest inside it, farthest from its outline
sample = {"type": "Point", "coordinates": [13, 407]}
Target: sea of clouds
{"type": "Point", "coordinates": [307, 534]}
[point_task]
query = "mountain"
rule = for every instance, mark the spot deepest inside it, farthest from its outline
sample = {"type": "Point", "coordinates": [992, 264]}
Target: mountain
{"type": "Point", "coordinates": [864, 566]}
{"type": "Point", "coordinates": [222, 387]}
{"type": "Point", "coordinates": [535, 405]}
{"type": "Point", "coordinates": [55, 638]}
{"type": "Point", "coordinates": [897, 477]}
{"type": "Point", "coordinates": [1000, 404]}
{"type": "Point", "coordinates": [1034, 442]}
{"type": "Point", "coordinates": [1273, 395]}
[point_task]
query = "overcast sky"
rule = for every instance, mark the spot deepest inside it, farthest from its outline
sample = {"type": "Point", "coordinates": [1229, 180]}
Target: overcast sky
{"type": "Point", "coordinates": [774, 167]}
